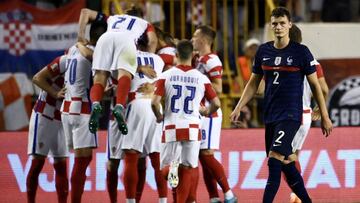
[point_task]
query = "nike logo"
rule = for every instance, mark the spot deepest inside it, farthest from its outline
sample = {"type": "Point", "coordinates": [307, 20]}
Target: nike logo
{"type": "Point", "coordinates": [265, 59]}
{"type": "Point", "coordinates": [276, 145]}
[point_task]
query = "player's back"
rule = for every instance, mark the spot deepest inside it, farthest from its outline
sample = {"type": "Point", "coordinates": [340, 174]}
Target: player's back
{"type": "Point", "coordinates": [78, 75]}
{"type": "Point", "coordinates": [184, 90]}
{"type": "Point", "coordinates": [135, 26]}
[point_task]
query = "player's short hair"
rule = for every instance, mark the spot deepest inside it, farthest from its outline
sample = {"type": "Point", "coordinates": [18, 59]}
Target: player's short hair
{"type": "Point", "coordinates": [184, 49]}
{"type": "Point", "coordinates": [164, 36]}
{"type": "Point", "coordinates": [97, 28]}
{"type": "Point", "coordinates": [280, 12]}
{"type": "Point", "coordinates": [295, 34]}
{"type": "Point", "coordinates": [143, 42]}
{"type": "Point", "coordinates": [135, 11]}
{"type": "Point", "coordinates": [208, 31]}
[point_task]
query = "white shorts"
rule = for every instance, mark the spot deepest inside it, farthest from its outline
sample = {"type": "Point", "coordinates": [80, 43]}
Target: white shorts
{"type": "Point", "coordinates": [114, 141]}
{"type": "Point", "coordinates": [113, 51]}
{"type": "Point", "coordinates": [46, 137]}
{"type": "Point", "coordinates": [210, 132]}
{"type": "Point", "coordinates": [76, 129]}
{"type": "Point", "coordinates": [186, 152]}
{"type": "Point", "coordinates": [302, 133]}
{"type": "Point", "coordinates": [144, 134]}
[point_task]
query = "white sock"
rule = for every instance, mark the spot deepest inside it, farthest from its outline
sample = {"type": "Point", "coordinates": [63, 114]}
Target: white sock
{"type": "Point", "coordinates": [163, 200]}
{"type": "Point", "coordinates": [214, 199]}
{"type": "Point", "coordinates": [229, 194]}
{"type": "Point", "coordinates": [130, 201]}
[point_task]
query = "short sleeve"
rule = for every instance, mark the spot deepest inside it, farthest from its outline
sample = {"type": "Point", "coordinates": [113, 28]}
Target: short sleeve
{"type": "Point", "coordinates": [54, 66]}
{"type": "Point", "coordinates": [100, 17]}
{"type": "Point", "coordinates": [160, 87]}
{"type": "Point", "coordinates": [257, 63]}
{"type": "Point", "coordinates": [209, 92]}
{"type": "Point", "coordinates": [309, 64]}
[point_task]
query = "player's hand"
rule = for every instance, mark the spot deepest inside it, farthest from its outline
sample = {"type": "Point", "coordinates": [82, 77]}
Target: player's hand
{"type": "Point", "coordinates": [326, 126]}
{"type": "Point", "coordinates": [315, 115]}
{"type": "Point", "coordinates": [235, 114]}
{"type": "Point", "coordinates": [203, 111]}
{"type": "Point", "coordinates": [146, 88]}
{"type": "Point", "coordinates": [83, 41]}
{"type": "Point", "coordinates": [61, 93]}
{"type": "Point", "coordinates": [148, 70]}
{"type": "Point", "coordinates": [160, 118]}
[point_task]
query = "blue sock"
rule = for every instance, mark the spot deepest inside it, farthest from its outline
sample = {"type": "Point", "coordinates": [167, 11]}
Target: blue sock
{"type": "Point", "coordinates": [273, 181]}
{"type": "Point", "coordinates": [296, 182]}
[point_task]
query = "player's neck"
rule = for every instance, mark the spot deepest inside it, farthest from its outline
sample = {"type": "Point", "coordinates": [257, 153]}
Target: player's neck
{"type": "Point", "coordinates": [206, 50]}
{"type": "Point", "coordinates": [281, 42]}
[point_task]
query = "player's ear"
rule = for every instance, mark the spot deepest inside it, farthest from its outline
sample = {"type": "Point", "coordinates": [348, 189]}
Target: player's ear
{"type": "Point", "coordinates": [290, 24]}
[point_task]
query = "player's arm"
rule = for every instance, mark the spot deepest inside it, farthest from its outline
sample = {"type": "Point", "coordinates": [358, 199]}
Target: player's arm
{"type": "Point", "coordinates": [217, 85]}
{"type": "Point", "coordinates": [155, 106]}
{"type": "Point", "coordinates": [85, 51]}
{"type": "Point", "coordinates": [325, 90]}
{"type": "Point", "coordinates": [211, 96]}
{"type": "Point", "coordinates": [153, 41]}
{"type": "Point", "coordinates": [326, 124]}
{"type": "Point", "coordinates": [86, 16]}
{"type": "Point", "coordinates": [249, 92]}
{"type": "Point", "coordinates": [40, 79]}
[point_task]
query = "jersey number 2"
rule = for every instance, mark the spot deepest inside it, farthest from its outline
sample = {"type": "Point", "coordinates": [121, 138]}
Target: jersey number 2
{"type": "Point", "coordinates": [187, 100]}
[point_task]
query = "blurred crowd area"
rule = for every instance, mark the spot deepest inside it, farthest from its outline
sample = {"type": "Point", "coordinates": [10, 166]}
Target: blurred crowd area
{"type": "Point", "coordinates": [240, 30]}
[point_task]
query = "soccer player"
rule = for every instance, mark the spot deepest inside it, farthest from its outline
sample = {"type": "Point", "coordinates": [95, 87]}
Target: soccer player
{"type": "Point", "coordinates": [183, 88]}
{"type": "Point", "coordinates": [115, 53]}
{"type": "Point", "coordinates": [296, 36]}
{"type": "Point", "coordinates": [210, 65]}
{"type": "Point", "coordinates": [284, 64]}
{"type": "Point", "coordinates": [46, 135]}
{"type": "Point", "coordinates": [76, 109]}
{"type": "Point", "coordinates": [166, 48]}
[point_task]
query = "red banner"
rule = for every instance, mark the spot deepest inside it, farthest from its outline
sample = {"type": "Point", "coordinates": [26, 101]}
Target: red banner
{"type": "Point", "coordinates": [330, 169]}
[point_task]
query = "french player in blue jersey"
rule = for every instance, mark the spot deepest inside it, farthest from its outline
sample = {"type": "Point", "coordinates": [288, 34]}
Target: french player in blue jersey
{"type": "Point", "coordinates": [283, 64]}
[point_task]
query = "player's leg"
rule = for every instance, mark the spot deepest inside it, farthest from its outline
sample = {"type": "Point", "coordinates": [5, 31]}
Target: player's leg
{"type": "Point", "coordinates": [112, 178]}
{"type": "Point", "coordinates": [159, 178]}
{"type": "Point", "coordinates": [37, 164]}
{"type": "Point", "coordinates": [130, 174]}
{"type": "Point", "coordinates": [141, 167]}
{"type": "Point", "coordinates": [61, 180]}
{"type": "Point", "coordinates": [194, 185]}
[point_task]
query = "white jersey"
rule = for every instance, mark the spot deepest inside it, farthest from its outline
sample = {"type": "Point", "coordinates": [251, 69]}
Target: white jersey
{"type": "Point", "coordinates": [145, 58]}
{"type": "Point", "coordinates": [167, 54]}
{"type": "Point", "coordinates": [210, 65]}
{"type": "Point", "coordinates": [77, 82]}
{"type": "Point", "coordinates": [47, 105]}
{"type": "Point", "coordinates": [183, 88]}
{"type": "Point", "coordinates": [125, 23]}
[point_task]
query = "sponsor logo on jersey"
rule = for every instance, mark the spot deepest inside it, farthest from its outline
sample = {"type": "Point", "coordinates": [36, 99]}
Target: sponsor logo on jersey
{"type": "Point", "coordinates": [344, 102]}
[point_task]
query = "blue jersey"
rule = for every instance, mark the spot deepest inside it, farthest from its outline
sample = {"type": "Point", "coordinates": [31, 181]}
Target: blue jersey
{"type": "Point", "coordinates": [283, 71]}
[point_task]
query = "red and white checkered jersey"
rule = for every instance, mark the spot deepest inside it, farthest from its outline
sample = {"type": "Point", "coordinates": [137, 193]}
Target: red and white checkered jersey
{"type": "Point", "coordinates": [145, 58]}
{"type": "Point", "coordinates": [183, 89]}
{"type": "Point", "coordinates": [307, 94]}
{"type": "Point", "coordinates": [210, 65]}
{"type": "Point", "coordinates": [78, 77]}
{"type": "Point", "coordinates": [125, 23]}
{"type": "Point", "coordinates": [167, 54]}
{"type": "Point", "coordinates": [47, 105]}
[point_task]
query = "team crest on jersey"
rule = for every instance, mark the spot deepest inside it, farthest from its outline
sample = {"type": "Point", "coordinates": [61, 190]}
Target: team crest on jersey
{"type": "Point", "coordinates": [289, 60]}
{"type": "Point", "coordinates": [344, 102]}
{"type": "Point", "coordinates": [277, 61]}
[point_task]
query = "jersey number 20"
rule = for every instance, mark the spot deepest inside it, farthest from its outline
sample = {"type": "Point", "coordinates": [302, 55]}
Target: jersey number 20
{"type": "Point", "coordinates": [187, 100]}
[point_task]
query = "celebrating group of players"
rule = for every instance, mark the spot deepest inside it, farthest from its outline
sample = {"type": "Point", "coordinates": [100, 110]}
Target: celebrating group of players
{"type": "Point", "coordinates": [138, 66]}
{"type": "Point", "coordinates": [120, 59]}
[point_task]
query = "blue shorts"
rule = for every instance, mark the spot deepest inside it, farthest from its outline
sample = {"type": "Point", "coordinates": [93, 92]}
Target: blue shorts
{"type": "Point", "coordinates": [279, 136]}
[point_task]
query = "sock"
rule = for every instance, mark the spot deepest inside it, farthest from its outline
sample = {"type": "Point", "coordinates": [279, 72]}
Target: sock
{"type": "Point", "coordinates": [273, 181]}
{"type": "Point", "coordinates": [210, 182]}
{"type": "Point", "coordinates": [33, 178]}
{"type": "Point", "coordinates": [112, 182]}
{"type": "Point", "coordinates": [163, 200]}
{"type": "Point", "coordinates": [78, 178]}
{"type": "Point", "coordinates": [96, 92]}
{"type": "Point", "coordinates": [173, 191]}
{"type": "Point", "coordinates": [183, 189]}
{"type": "Point", "coordinates": [161, 183]}
{"type": "Point", "coordinates": [194, 184]}
{"type": "Point", "coordinates": [216, 169]}
{"type": "Point", "coordinates": [296, 182]}
{"type": "Point", "coordinates": [61, 181]}
{"type": "Point", "coordinates": [141, 180]}
{"type": "Point", "coordinates": [130, 174]}
{"type": "Point", "coordinates": [123, 89]}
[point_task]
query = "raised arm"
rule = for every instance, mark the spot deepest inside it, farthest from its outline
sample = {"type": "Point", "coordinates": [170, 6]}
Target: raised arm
{"type": "Point", "coordinates": [85, 51]}
{"type": "Point", "coordinates": [86, 16]}
{"type": "Point", "coordinates": [326, 124]}
{"type": "Point", "coordinates": [249, 92]}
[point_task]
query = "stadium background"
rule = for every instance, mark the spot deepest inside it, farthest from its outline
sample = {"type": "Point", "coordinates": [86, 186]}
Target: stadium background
{"type": "Point", "coordinates": [31, 36]}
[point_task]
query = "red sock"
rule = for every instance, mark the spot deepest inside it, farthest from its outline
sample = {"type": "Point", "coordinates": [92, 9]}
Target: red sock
{"type": "Point", "coordinates": [141, 180]}
{"type": "Point", "coordinates": [216, 169]}
{"type": "Point", "coordinates": [32, 178]}
{"type": "Point", "coordinates": [173, 191]}
{"type": "Point", "coordinates": [78, 178]}
{"type": "Point", "coordinates": [61, 181]}
{"type": "Point", "coordinates": [161, 182]}
{"type": "Point", "coordinates": [112, 182]}
{"type": "Point", "coordinates": [210, 182]}
{"type": "Point", "coordinates": [123, 90]}
{"type": "Point", "coordinates": [96, 92]}
{"type": "Point", "coordinates": [130, 174]}
{"type": "Point", "coordinates": [183, 189]}
{"type": "Point", "coordinates": [194, 184]}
